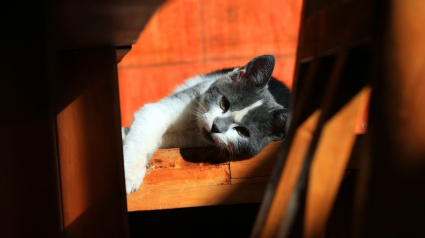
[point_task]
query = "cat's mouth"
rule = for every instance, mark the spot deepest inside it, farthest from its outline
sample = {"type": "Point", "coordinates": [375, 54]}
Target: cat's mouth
{"type": "Point", "coordinates": [207, 136]}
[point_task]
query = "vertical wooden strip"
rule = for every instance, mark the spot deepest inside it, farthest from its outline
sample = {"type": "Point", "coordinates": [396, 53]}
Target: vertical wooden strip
{"type": "Point", "coordinates": [297, 195]}
{"type": "Point", "coordinates": [396, 194]}
{"type": "Point", "coordinates": [290, 174]}
{"type": "Point", "coordinates": [329, 164]}
{"type": "Point", "coordinates": [90, 148]}
{"type": "Point", "coordinates": [294, 121]}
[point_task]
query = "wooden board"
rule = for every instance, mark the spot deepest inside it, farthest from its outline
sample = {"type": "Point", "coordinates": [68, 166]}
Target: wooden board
{"type": "Point", "coordinates": [194, 177]}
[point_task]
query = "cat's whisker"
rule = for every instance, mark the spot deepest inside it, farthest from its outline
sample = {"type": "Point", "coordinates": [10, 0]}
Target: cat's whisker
{"type": "Point", "coordinates": [201, 106]}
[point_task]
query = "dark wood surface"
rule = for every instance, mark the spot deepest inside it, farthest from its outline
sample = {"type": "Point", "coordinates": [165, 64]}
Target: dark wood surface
{"type": "Point", "coordinates": [89, 145]}
{"type": "Point", "coordinates": [94, 24]}
{"type": "Point", "coordinates": [395, 193]}
{"type": "Point", "coordinates": [361, 44]}
{"type": "Point", "coordinates": [61, 172]}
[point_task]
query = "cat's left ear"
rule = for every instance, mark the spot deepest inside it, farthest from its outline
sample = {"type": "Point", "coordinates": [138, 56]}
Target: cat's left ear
{"type": "Point", "coordinates": [278, 124]}
{"type": "Point", "coordinates": [257, 72]}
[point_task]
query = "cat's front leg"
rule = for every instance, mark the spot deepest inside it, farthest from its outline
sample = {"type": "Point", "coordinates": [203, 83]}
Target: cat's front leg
{"type": "Point", "coordinates": [144, 137]}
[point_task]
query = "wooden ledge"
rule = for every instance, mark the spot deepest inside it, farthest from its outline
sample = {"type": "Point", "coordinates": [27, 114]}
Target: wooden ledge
{"type": "Point", "coordinates": [193, 177]}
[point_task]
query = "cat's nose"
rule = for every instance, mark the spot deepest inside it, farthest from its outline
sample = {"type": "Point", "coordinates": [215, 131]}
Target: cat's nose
{"type": "Point", "coordinates": [214, 128]}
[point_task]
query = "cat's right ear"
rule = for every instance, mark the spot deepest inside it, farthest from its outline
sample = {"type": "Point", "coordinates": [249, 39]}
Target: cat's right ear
{"type": "Point", "coordinates": [257, 72]}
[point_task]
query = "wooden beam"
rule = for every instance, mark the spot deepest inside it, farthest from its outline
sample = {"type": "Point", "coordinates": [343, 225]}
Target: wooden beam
{"type": "Point", "coordinates": [89, 144]}
{"type": "Point", "coordinates": [290, 175]}
{"type": "Point", "coordinates": [329, 164]}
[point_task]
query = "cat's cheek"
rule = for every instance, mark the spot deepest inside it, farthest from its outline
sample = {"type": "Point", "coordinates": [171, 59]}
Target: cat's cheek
{"type": "Point", "coordinates": [232, 136]}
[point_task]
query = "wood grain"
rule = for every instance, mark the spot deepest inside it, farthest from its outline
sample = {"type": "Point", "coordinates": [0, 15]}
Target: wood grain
{"type": "Point", "coordinates": [195, 196]}
{"type": "Point", "coordinates": [244, 28]}
{"type": "Point", "coordinates": [193, 177]}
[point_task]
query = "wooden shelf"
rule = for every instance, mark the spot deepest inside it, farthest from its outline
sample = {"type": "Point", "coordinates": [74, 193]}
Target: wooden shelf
{"type": "Point", "coordinates": [178, 178]}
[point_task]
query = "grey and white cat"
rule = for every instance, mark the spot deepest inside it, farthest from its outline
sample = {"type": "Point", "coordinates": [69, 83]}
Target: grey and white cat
{"type": "Point", "coordinates": [234, 109]}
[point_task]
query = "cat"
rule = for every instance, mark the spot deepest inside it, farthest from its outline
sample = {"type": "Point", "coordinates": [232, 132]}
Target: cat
{"type": "Point", "coordinates": [240, 110]}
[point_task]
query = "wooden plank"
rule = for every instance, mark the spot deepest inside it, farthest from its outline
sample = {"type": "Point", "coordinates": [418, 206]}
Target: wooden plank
{"type": "Point", "coordinates": [89, 144]}
{"type": "Point", "coordinates": [96, 24]}
{"type": "Point", "coordinates": [290, 174]}
{"type": "Point", "coordinates": [193, 169]}
{"type": "Point", "coordinates": [259, 165]}
{"type": "Point", "coordinates": [178, 197]}
{"type": "Point", "coordinates": [192, 177]}
{"type": "Point", "coordinates": [329, 164]}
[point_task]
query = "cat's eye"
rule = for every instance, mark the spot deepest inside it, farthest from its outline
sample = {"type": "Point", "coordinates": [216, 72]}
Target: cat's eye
{"type": "Point", "coordinates": [224, 104]}
{"type": "Point", "coordinates": [242, 131]}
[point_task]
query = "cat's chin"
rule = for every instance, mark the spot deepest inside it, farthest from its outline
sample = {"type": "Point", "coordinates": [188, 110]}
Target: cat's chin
{"type": "Point", "coordinates": [206, 135]}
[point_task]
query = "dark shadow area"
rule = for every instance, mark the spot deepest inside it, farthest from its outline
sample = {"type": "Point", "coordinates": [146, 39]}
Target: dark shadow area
{"type": "Point", "coordinates": [210, 155]}
{"type": "Point", "coordinates": [215, 221]}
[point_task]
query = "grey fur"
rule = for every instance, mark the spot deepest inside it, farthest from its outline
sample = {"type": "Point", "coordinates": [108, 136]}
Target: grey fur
{"type": "Point", "coordinates": [265, 123]}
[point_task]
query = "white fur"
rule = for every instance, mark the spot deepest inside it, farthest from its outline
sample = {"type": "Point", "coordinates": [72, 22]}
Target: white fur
{"type": "Point", "coordinates": [241, 113]}
{"type": "Point", "coordinates": [149, 125]}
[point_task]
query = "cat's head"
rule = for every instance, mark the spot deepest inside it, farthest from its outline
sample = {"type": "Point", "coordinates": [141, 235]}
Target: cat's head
{"type": "Point", "coordinates": [239, 113]}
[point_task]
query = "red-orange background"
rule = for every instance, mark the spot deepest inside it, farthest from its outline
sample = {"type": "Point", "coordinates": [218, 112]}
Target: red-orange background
{"type": "Point", "coordinates": [189, 37]}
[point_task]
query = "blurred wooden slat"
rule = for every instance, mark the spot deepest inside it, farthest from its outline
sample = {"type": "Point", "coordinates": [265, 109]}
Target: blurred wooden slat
{"type": "Point", "coordinates": [290, 174]}
{"type": "Point", "coordinates": [285, 205]}
{"type": "Point", "coordinates": [329, 164]}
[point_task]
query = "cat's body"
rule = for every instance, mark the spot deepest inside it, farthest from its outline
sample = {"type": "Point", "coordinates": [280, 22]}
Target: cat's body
{"type": "Point", "coordinates": [232, 109]}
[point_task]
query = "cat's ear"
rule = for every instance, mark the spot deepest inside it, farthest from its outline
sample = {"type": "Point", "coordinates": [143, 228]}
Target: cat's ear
{"type": "Point", "coordinates": [257, 72]}
{"type": "Point", "coordinates": [278, 124]}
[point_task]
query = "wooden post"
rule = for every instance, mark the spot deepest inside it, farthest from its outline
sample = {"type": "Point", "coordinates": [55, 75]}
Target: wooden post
{"type": "Point", "coordinates": [89, 143]}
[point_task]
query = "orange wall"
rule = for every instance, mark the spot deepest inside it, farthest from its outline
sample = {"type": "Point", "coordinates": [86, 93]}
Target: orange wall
{"type": "Point", "coordinates": [189, 37]}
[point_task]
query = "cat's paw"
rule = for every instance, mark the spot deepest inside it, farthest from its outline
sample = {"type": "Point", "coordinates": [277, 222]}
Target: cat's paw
{"type": "Point", "coordinates": [133, 179]}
